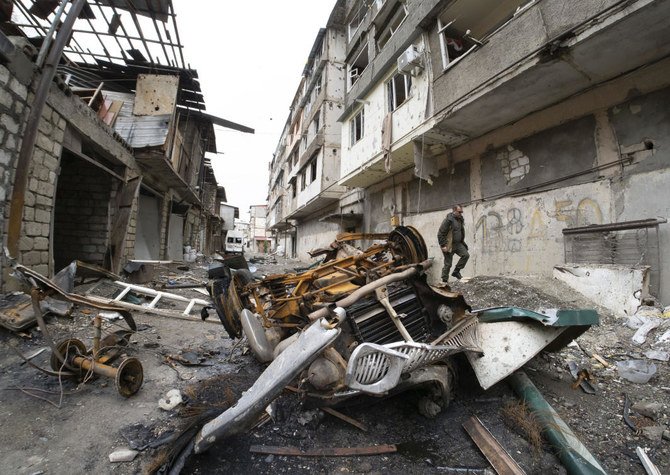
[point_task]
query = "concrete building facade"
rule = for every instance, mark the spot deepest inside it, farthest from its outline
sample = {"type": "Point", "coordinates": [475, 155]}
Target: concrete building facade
{"type": "Point", "coordinates": [304, 193]}
{"type": "Point", "coordinates": [536, 116]}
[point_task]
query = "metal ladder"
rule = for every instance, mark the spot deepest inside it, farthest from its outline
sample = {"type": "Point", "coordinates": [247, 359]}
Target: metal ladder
{"type": "Point", "coordinates": [151, 307]}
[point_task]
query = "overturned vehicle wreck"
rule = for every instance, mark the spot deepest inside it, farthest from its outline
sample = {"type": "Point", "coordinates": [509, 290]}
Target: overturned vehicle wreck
{"type": "Point", "coordinates": [368, 323]}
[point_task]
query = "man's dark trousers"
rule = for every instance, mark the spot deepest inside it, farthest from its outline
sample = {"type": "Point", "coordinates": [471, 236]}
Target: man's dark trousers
{"type": "Point", "coordinates": [459, 249]}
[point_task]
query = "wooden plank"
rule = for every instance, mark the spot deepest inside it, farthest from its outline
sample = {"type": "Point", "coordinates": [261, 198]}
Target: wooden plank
{"type": "Point", "coordinates": [495, 453]}
{"type": "Point", "coordinates": [324, 451]}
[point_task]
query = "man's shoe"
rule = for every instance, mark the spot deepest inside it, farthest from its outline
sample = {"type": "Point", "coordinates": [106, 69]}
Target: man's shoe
{"type": "Point", "coordinates": [457, 274]}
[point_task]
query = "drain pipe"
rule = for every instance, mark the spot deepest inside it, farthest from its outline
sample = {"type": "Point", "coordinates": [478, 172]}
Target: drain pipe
{"type": "Point", "coordinates": [573, 454]}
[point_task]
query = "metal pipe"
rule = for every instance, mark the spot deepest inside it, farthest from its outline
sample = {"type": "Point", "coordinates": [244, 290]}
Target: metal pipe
{"type": "Point", "coordinates": [637, 224]}
{"type": "Point", "coordinates": [49, 36]}
{"type": "Point", "coordinates": [97, 368]}
{"type": "Point", "coordinates": [30, 130]}
{"type": "Point", "coordinates": [575, 456]}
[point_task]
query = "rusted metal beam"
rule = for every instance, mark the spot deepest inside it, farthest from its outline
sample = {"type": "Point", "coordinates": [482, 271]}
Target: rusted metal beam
{"type": "Point", "coordinates": [495, 453]}
{"type": "Point", "coordinates": [345, 418]}
{"type": "Point", "coordinates": [325, 451]}
{"type": "Point", "coordinates": [31, 127]}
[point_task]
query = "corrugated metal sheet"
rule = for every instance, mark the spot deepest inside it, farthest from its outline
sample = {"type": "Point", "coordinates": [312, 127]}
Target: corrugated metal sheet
{"type": "Point", "coordinates": [139, 131]}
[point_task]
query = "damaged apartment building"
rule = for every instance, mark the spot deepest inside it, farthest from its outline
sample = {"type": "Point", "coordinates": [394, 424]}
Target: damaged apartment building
{"type": "Point", "coordinates": [103, 137]}
{"type": "Point", "coordinates": [548, 121]}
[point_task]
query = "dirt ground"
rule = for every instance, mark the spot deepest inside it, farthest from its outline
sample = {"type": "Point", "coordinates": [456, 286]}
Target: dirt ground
{"type": "Point", "coordinates": [93, 420]}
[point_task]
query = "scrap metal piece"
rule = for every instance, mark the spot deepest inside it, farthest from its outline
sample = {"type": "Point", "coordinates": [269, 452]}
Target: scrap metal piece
{"type": "Point", "coordinates": [269, 385]}
{"type": "Point", "coordinates": [128, 377]}
{"type": "Point", "coordinates": [507, 346]}
{"type": "Point", "coordinates": [494, 452]}
{"type": "Point", "coordinates": [345, 418]}
{"type": "Point", "coordinates": [383, 298]}
{"type": "Point", "coordinates": [575, 456]}
{"type": "Point", "coordinates": [582, 378]}
{"type": "Point", "coordinates": [374, 369]}
{"type": "Point", "coordinates": [648, 465]}
{"type": "Point", "coordinates": [325, 451]}
{"type": "Point", "coordinates": [47, 287]}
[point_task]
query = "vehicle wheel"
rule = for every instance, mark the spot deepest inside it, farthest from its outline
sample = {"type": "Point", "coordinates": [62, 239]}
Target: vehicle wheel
{"type": "Point", "coordinates": [409, 244]}
{"type": "Point", "coordinates": [233, 302]}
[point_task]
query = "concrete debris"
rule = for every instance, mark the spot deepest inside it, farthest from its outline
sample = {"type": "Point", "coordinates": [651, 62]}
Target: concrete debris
{"type": "Point", "coordinates": [648, 409]}
{"type": "Point", "coordinates": [172, 399]}
{"type": "Point", "coordinates": [657, 355]}
{"type": "Point", "coordinates": [123, 455]}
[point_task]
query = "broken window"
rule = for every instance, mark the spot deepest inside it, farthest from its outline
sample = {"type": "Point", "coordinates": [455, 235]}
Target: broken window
{"type": "Point", "coordinates": [359, 63]}
{"type": "Point", "coordinates": [398, 89]}
{"type": "Point", "coordinates": [359, 14]}
{"type": "Point", "coordinates": [316, 123]}
{"type": "Point", "coordinates": [454, 44]}
{"type": "Point", "coordinates": [388, 29]}
{"type": "Point", "coordinates": [293, 188]}
{"type": "Point", "coordinates": [356, 127]}
{"type": "Point", "coordinates": [317, 87]}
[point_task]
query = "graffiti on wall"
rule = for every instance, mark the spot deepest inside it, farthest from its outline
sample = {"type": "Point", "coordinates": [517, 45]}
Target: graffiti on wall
{"type": "Point", "coordinates": [513, 229]}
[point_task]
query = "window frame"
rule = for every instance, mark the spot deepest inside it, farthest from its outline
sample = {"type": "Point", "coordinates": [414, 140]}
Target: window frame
{"type": "Point", "coordinates": [391, 25]}
{"type": "Point", "coordinates": [357, 124]}
{"type": "Point", "coordinates": [354, 69]}
{"type": "Point", "coordinates": [392, 92]}
{"type": "Point", "coordinates": [442, 31]}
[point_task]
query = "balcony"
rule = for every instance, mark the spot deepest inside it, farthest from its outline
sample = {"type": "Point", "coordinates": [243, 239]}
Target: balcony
{"type": "Point", "coordinates": [543, 56]}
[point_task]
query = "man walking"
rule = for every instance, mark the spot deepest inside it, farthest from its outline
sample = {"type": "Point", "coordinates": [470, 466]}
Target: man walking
{"type": "Point", "coordinates": [451, 238]}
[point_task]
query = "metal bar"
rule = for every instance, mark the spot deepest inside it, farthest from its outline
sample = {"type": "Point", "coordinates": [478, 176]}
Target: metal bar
{"type": "Point", "coordinates": [495, 453]}
{"type": "Point", "coordinates": [122, 294]}
{"type": "Point", "coordinates": [325, 451]}
{"type": "Point", "coordinates": [100, 33]}
{"type": "Point", "coordinates": [158, 32]}
{"type": "Point", "coordinates": [575, 456]}
{"type": "Point", "coordinates": [172, 45]}
{"type": "Point", "coordinates": [638, 224]}
{"type": "Point", "coordinates": [345, 418]}
{"type": "Point", "coordinates": [109, 25]}
{"type": "Point", "coordinates": [37, 26]}
{"type": "Point", "coordinates": [123, 28]}
{"type": "Point", "coordinates": [49, 36]}
{"type": "Point", "coordinates": [31, 127]}
{"type": "Point", "coordinates": [97, 35]}
{"type": "Point", "coordinates": [176, 31]}
{"type": "Point", "coordinates": [165, 295]}
{"type": "Point", "coordinates": [189, 307]}
{"type": "Point", "coordinates": [139, 30]}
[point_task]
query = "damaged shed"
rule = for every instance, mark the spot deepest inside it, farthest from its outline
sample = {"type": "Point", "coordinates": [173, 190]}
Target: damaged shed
{"type": "Point", "coordinates": [104, 136]}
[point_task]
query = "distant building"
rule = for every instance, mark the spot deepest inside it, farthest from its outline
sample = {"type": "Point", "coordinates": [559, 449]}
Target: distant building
{"type": "Point", "coordinates": [304, 194]}
{"type": "Point", "coordinates": [260, 241]}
